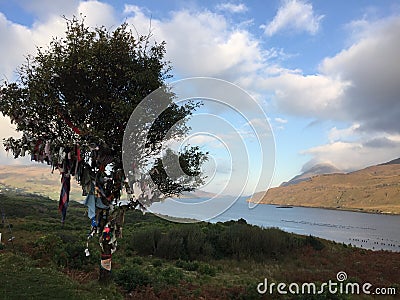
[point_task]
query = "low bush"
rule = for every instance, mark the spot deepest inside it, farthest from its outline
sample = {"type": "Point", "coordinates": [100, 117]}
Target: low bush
{"type": "Point", "coordinates": [206, 269]}
{"type": "Point", "coordinates": [171, 276]}
{"type": "Point", "coordinates": [187, 265]}
{"type": "Point", "coordinates": [315, 243]}
{"type": "Point", "coordinates": [132, 277]}
{"type": "Point", "coordinates": [203, 241]}
{"type": "Point", "coordinates": [157, 263]}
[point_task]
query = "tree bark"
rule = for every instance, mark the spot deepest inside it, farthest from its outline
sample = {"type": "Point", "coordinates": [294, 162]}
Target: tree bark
{"type": "Point", "coordinates": [105, 263]}
{"type": "Point", "coordinates": [105, 259]}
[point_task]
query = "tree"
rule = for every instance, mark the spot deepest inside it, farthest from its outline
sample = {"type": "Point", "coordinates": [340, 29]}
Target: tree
{"type": "Point", "coordinates": [72, 102]}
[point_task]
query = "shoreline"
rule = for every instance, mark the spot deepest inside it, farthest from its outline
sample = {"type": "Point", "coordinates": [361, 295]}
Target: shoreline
{"type": "Point", "coordinates": [360, 210]}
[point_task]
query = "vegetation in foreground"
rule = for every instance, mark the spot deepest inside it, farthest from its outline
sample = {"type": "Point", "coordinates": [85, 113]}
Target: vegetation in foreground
{"type": "Point", "coordinates": [158, 259]}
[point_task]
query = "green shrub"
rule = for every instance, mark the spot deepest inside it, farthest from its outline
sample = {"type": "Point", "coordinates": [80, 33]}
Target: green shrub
{"type": "Point", "coordinates": [72, 256]}
{"type": "Point", "coordinates": [171, 276]}
{"type": "Point", "coordinates": [47, 247]}
{"type": "Point", "coordinates": [171, 245]}
{"type": "Point", "coordinates": [187, 265]}
{"type": "Point", "coordinates": [206, 241]}
{"type": "Point", "coordinates": [145, 241]}
{"type": "Point", "coordinates": [64, 251]}
{"type": "Point", "coordinates": [137, 260]}
{"type": "Point", "coordinates": [157, 263]}
{"type": "Point", "coordinates": [315, 243]}
{"type": "Point", "coordinates": [206, 269]}
{"type": "Point", "coordinates": [132, 277]}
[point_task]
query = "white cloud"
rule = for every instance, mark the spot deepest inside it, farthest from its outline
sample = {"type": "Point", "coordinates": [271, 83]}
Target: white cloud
{"type": "Point", "coordinates": [358, 85]}
{"type": "Point", "coordinates": [306, 95]}
{"type": "Point", "coordinates": [18, 41]}
{"type": "Point", "coordinates": [232, 8]}
{"type": "Point", "coordinates": [98, 14]}
{"type": "Point", "coordinates": [259, 123]}
{"type": "Point", "coordinates": [294, 15]}
{"type": "Point", "coordinates": [340, 134]}
{"type": "Point", "coordinates": [15, 40]}
{"type": "Point", "coordinates": [281, 121]}
{"type": "Point", "coordinates": [205, 140]}
{"type": "Point", "coordinates": [350, 156]}
{"type": "Point", "coordinates": [7, 130]}
{"type": "Point", "coordinates": [202, 43]}
{"type": "Point", "coordinates": [256, 128]}
{"type": "Point", "coordinates": [372, 67]}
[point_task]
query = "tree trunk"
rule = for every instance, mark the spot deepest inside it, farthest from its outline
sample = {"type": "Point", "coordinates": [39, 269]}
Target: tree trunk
{"type": "Point", "coordinates": [105, 264]}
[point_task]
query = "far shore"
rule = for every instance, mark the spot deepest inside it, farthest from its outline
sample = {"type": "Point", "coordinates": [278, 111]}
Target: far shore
{"type": "Point", "coordinates": [352, 209]}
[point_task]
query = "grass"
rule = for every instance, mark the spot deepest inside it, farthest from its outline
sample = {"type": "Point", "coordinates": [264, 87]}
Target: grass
{"type": "Point", "coordinates": [158, 259]}
{"type": "Point", "coordinates": [24, 278]}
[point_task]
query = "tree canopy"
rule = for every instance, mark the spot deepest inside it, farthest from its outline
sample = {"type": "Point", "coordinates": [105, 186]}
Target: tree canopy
{"type": "Point", "coordinates": [82, 89]}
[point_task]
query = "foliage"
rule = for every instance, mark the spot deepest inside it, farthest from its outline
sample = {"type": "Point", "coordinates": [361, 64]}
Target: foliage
{"type": "Point", "coordinates": [207, 241]}
{"type": "Point", "coordinates": [314, 242]}
{"type": "Point", "coordinates": [171, 275]}
{"type": "Point", "coordinates": [62, 252]}
{"type": "Point", "coordinates": [132, 277]}
{"type": "Point", "coordinates": [135, 276]}
{"type": "Point", "coordinates": [187, 265]}
{"type": "Point", "coordinates": [206, 269]}
{"type": "Point", "coordinates": [81, 92]}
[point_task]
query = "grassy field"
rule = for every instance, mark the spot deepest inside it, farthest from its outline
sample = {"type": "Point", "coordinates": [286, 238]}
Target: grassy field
{"type": "Point", "coordinates": [157, 259]}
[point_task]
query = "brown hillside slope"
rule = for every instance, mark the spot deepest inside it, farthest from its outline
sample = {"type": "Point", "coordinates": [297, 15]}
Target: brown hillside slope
{"type": "Point", "coordinates": [373, 189]}
{"type": "Point", "coordinates": [37, 179]}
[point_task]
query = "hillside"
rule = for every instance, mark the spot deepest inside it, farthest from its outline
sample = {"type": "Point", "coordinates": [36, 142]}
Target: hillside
{"type": "Point", "coordinates": [373, 189]}
{"type": "Point", "coordinates": [37, 179]}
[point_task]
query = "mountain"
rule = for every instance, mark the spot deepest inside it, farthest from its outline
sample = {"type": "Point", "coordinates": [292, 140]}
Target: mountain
{"type": "Point", "coordinates": [319, 169]}
{"type": "Point", "coordinates": [198, 194]}
{"type": "Point", "coordinates": [392, 162]}
{"type": "Point", "coordinates": [373, 189]}
{"type": "Point", "coordinates": [37, 179]}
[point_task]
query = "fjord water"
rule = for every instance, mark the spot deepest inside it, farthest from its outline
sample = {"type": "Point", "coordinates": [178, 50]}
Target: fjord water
{"type": "Point", "coordinates": [370, 231]}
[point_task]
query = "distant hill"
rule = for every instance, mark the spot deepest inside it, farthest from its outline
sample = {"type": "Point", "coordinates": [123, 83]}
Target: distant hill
{"type": "Point", "coordinates": [392, 162]}
{"type": "Point", "coordinates": [198, 194]}
{"type": "Point", "coordinates": [37, 179]}
{"type": "Point", "coordinates": [373, 189]}
{"type": "Point", "coordinates": [319, 169]}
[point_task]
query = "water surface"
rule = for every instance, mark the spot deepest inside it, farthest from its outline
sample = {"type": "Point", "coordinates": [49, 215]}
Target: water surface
{"type": "Point", "coordinates": [371, 231]}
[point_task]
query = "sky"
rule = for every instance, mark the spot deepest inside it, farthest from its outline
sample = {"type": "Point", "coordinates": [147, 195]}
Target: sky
{"type": "Point", "coordinates": [326, 73]}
